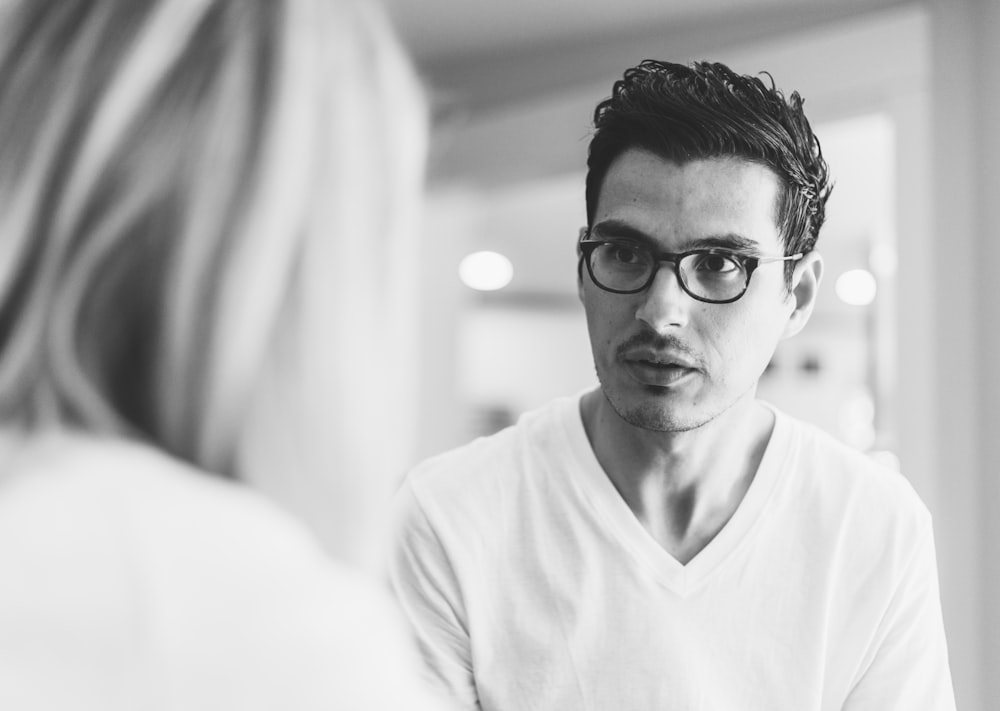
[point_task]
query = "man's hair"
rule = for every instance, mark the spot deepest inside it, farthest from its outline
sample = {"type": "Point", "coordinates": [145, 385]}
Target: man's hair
{"type": "Point", "coordinates": [706, 110]}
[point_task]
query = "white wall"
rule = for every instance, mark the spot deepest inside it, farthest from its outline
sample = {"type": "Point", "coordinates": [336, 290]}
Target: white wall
{"type": "Point", "coordinates": [986, 28]}
{"type": "Point", "coordinates": [963, 327]}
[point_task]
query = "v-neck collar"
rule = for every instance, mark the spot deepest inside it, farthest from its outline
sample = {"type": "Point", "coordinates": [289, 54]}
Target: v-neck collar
{"type": "Point", "coordinates": [620, 522]}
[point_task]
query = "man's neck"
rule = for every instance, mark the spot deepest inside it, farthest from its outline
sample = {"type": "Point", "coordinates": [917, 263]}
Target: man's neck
{"type": "Point", "coordinates": [682, 486]}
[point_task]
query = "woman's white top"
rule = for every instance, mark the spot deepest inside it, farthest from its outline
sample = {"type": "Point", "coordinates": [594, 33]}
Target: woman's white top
{"type": "Point", "coordinates": [130, 581]}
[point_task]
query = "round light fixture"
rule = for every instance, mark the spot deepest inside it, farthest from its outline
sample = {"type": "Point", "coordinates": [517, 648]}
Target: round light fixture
{"type": "Point", "coordinates": [856, 287]}
{"type": "Point", "coordinates": [486, 271]}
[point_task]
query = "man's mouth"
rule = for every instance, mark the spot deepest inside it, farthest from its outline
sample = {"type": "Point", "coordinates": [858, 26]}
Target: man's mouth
{"type": "Point", "coordinates": [660, 373]}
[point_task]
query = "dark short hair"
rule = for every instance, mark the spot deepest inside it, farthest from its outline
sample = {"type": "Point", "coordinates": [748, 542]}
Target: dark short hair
{"type": "Point", "coordinates": [706, 110]}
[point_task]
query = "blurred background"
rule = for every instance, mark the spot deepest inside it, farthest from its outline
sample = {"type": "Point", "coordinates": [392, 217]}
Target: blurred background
{"type": "Point", "coordinates": [898, 358]}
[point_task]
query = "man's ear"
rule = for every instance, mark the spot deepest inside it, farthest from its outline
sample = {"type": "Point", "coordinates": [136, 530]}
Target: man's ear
{"type": "Point", "coordinates": [805, 287]}
{"type": "Point", "coordinates": [584, 231]}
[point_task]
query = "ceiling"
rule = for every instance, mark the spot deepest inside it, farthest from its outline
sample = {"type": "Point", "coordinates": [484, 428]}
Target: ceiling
{"type": "Point", "coordinates": [443, 31]}
{"type": "Point", "coordinates": [482, 54]}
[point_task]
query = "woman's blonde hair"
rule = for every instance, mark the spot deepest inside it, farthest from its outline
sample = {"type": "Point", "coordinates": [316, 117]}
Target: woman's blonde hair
{"type": "Point", "coordinates": [201, 211]}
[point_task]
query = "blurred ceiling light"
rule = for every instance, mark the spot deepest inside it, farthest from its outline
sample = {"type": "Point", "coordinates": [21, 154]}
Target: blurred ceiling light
{"type": "Point", "coordinates": [486, 271]}
{"type": "Point", "coordinates": [856, 287]}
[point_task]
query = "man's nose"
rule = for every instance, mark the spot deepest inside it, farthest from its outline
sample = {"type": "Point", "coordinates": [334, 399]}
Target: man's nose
{"type": "Point", "coordinates": [664, 304]}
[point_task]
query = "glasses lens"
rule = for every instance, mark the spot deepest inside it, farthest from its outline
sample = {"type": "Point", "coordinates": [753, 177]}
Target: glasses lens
{"type": "Point", "coordinates": [620, 266]}
{"type": "Point", "coordinates": [716, 276]}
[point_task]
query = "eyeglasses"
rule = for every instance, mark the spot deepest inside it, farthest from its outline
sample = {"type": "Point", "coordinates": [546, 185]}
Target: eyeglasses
{"type": "Point", "coordinates": [715, 276]}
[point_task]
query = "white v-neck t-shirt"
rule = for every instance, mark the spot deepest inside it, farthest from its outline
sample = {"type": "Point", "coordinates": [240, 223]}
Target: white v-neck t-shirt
{"type": "Point", "coordinates": [530, 584]}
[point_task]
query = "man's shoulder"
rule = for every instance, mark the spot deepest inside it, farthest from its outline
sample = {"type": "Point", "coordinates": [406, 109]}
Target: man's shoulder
{"type": "Point", "coordinates": [484, 453]}
{"type": "Point", "coordinates": [482, 467]}
{"type": "Point", "coordinates": [842, 476]}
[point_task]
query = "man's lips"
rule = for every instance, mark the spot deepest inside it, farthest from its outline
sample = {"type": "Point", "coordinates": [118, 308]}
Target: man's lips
{"type": "Point", "coordinates": [658, 369]}
{"type": "Point", "coordinates": [661, 359]}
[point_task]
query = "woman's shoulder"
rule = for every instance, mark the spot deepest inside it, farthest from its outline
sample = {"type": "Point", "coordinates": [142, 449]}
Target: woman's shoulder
{"type": "Point", "coordinates": [164, 572]}
{"type": "Point", "coordinates": [60, 473]}
{"type": "Point", "coordinates": [134, 500]}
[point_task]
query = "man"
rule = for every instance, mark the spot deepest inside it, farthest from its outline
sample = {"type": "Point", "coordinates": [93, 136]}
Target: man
{"type": "Point", "coordinates": [667, 541]}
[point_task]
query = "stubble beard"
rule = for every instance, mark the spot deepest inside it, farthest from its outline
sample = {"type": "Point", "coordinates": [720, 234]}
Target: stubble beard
{"type": "Point", "coordinates": [655, 417]}
{"type": "Point", "coordinates": [650, 416]}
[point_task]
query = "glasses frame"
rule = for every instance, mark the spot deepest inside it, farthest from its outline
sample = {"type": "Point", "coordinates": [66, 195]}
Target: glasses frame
{"type": "Point", "coordinates": [750, 264]}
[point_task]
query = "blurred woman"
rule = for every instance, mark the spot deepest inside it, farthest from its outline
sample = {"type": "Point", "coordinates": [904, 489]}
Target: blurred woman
{"type": "Point", "coordinates": [203, 213]}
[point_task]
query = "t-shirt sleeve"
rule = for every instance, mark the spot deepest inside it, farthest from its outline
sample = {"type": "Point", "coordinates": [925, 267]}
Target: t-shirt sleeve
{"type": "Point", "coordinates": [429, 593]}
{"type": "Point", "coordinates": [907, 664]}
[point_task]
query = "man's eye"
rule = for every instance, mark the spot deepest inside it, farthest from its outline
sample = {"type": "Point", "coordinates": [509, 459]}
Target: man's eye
{"type": "Point", "coordinates": [625, 254]}
{"type": "Point", "coordinates": [718, 263]}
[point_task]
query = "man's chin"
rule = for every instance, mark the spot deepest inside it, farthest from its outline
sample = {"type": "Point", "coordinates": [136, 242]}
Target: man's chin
{"type": "Point", "coordinates": [653, 416]}
{"type": "Point", "coordinates": [654, 421]}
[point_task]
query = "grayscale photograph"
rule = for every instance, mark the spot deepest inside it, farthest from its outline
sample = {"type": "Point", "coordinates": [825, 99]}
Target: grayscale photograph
{"type": "Point", "coordinates": [518, 355]}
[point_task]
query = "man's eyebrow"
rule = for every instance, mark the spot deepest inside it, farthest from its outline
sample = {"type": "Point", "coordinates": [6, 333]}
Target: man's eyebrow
{"type": "Point", "coordinates": [730, 240]}
{"type": "Point", "coordinates": [617, 229]}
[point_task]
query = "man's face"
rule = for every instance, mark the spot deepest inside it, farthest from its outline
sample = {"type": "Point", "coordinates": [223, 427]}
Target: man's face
{"type": "Point", "coordinates": [666, 361]}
